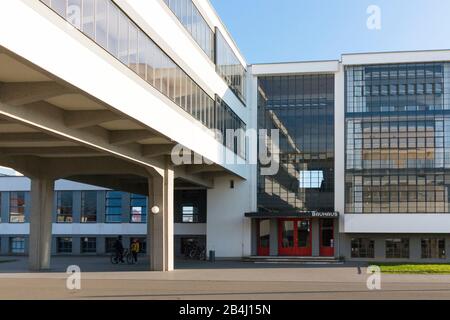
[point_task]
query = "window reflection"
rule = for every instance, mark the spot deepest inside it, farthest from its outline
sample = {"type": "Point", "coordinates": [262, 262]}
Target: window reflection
{"type": "Point", "coordinates": [108, 26]}
{"type": "Point", "coordinates": [396, 144]}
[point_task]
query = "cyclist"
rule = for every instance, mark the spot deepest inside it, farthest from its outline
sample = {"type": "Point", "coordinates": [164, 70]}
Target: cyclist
{"type": "Point", "coordinates": [135, 248]}
{"type": "Point", "coordinates": [118, 247]}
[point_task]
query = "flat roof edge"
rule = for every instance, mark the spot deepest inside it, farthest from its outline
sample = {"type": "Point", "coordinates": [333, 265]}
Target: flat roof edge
{"type": "Point", "coordinates": [329, 66]}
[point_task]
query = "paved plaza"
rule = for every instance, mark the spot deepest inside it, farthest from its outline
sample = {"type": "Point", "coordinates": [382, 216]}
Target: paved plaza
{"type": "Point", "coordinates": [222, 281]}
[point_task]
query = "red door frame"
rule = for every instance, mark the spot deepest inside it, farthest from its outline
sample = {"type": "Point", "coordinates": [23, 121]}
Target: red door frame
{"type": "Point", "coordinates": [326, 251]}
{"type": "Point", "coordinates": [262, 251]}
{"type": "Point", "coordinates": [295, 250]}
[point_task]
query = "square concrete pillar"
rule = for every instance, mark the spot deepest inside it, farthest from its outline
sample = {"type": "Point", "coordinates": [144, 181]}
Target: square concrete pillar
{"type": "Point", "coordinates": [4, 207]}
{"type": "Point", "coordinates": [4, 245]}
{"type": "Point", "coordinates": [76, 209]}
{"type": "Point", "coordinates": [42, 196]}
{"type": "Point", "coordinates": [101, 249]}
{"type": "Point", "coordinates": [160, 226]}
{"type": "Point", "coordinates": [76, 246]}
{"type": "Point", "coordinates": [101, 206]}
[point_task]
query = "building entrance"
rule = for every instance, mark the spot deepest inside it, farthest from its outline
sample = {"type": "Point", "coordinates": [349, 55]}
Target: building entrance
{"type": "Point", "coordinates": [295, 237]}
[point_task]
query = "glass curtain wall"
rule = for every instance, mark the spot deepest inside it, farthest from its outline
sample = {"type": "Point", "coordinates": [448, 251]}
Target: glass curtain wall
{"type": "Point", "coordinates": [231, 127]}
{"type": "Point", "coordinates": [229, 67]}
{"type": "Point", "coordinates": [108, 26]}
{"type": "Point", "coordinates": [191, 18]}
{"type": "Point", "coordinates": [398, 138]}
{"type": "Point", "coordinates": [302, 108]}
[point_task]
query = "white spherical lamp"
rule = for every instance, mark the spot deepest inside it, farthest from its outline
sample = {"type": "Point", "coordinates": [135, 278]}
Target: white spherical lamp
{"type": "Point", "coordinates": [155, 210]}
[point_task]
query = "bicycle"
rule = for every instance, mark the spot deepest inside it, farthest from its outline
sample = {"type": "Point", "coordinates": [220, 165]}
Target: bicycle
{"type": "Point", "coordinates": [195, 251]}
{"type": "Point", "coordinates": [127, 258]}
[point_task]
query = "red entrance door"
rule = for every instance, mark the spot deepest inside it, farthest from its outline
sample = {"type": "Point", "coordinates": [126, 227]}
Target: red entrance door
{"type": "Point", "coordinates": [263, 237]}
{"type": "Point", "coordinates": [326, 237]}
{"type": "Point", "coordinates": [294, 237]}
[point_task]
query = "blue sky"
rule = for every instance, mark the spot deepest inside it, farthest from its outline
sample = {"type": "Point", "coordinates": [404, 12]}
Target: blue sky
{"type": "Point", "coordinates": [296, 30]}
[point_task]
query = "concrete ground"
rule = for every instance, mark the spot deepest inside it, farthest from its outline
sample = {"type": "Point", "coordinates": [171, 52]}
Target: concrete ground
{"type": "Point", "coordinates": [219, 281]}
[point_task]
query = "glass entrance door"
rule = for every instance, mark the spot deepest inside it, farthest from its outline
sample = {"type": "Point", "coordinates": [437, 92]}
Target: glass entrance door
{"type": "Point", "coordinates": [294, 237]}
{"type": "Point", "coordinates": [326, 238]}
{"type": "Point", "coordinates": [263, 237]}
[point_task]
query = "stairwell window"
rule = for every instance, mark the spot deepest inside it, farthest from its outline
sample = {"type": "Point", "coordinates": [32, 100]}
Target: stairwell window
{"type": "Point", "coordinates": [138, 209]}
{"type": "Point", "coordinates": [17, 207]}
{"type": "Point", "coordinates": [190, 214]}
{"type": "Point", "coordinates": [64, 211]}
{"type": "Point", "coordinates": [113, 212]}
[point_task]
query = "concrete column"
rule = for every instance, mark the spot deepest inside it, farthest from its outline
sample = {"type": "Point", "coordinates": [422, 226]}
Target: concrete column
{"type": "Point", "coordinates": [160, 226]}
{"type": "Point", "coordinates": [76, 209]}
{"type": "Point", "coordinates": [101, 203]}
{"type": "Point", "coordinates": [27, 206]}
{"type": "Point", "coordinates": [4, 209]}
{"type": "Point", "coordinates": [126, 198]}
{"type": "Point", "coordinates": [76, 245]}
{"type": "Point", "coordinates": [380, 247]}
{"type": "Point", "coordinates": [274, 237]}
{"type": "Point", "coordinates": [101, 249]}
{"type": "Point", "coordinates": [415, 248]}
{"type": "Point", "coordinates": [4, 245]}
{"type": "Point", "coordinates": [42, 195]}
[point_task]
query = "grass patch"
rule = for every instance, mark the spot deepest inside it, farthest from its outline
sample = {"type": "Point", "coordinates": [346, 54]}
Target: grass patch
{"type": "Point", "coordinates": [415, 268]}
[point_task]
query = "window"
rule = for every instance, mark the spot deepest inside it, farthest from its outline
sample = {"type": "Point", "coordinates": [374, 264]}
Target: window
{"type": "Point", "coordinates": [187, 13]}
{"type": "Point", "coordinates": [311, 179]}
{"type": "Point", "coordinates": [109, 27]}
{"type": "Point", "coordinates": [88, 245]}
{"type": "Point", "coordinates": [190, 214]}
{"type": "Point", "coordinates": [302, 107]}
{"type": "Point", "coordinates": [363, 248]}
{"type": "Point", "coordinates": [433, 248]}
{"type": "Point", "coordinates": [229, 67]}
{"type": "Point", "coordinates": [88, 206]}
{"type": "Point", "coordinates": [113, 212]}
{"type": "Point", "coordinates": [410, 141]}
{"type": "Point", "coordinates": [138, 209]}
{"type": "Point", "coordinates": [17, 207]}
{"type": "Point", "coordinates": [397, 248]}
{"type": "Point", "coordinates": [64, 245]}
{"type": "Point", "coordinates": [64, 207]}
{"type": "Point", "coordinates": [17, 245]}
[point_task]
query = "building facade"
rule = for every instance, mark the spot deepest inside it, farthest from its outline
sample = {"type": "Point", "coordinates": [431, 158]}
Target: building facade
{"type": "Point", "coordinates": [363, 155]}
{"type": "Point", "coordinates": [87, 220]}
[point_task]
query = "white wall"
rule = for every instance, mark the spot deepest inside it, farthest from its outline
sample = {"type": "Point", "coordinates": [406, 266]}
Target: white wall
{"type": "Point", "coordinates": [397, 223]}
{"type": "Point", "coordinates": [24, 184]}
{"type": "Point", "coordinates": [57, 47]}
{"type": "Point", "coordinates": [228, 231]}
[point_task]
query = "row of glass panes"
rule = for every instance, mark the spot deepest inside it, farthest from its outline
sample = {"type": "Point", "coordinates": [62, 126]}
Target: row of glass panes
{"type": "Point", "coordinates": [301, 87]}
{"type": "Point", "coordinates": [231, 127]}
{"type": "Point", "coordinates": [65, 207]}
{"type": "Point", "coordinates": [394, 125]}
{"type": "Point", "coordinates": [411, 71]}
{"type": "Point", "coordinates": [108, 26]}
{"type": "Point", "coordinates": [230, 68]}
{"type": "Point", "coordinates": [17, 245]}
{"type": "Point", "coordinates": [191, 18]}
{"type": "Point", "coordinates": [401, 89]}
{"type": "Point", "coordinates": [431, 248]}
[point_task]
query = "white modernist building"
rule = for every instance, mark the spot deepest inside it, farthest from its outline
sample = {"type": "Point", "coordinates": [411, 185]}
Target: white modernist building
{"type": "Point", "coordinates": [138, 98]}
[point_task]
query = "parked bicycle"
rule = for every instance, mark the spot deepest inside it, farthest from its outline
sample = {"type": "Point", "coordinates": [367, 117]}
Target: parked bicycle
{"type": "Point", "coordinates": [127, 258]}
{"type": "Point", "coordinates": [195, 251]}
